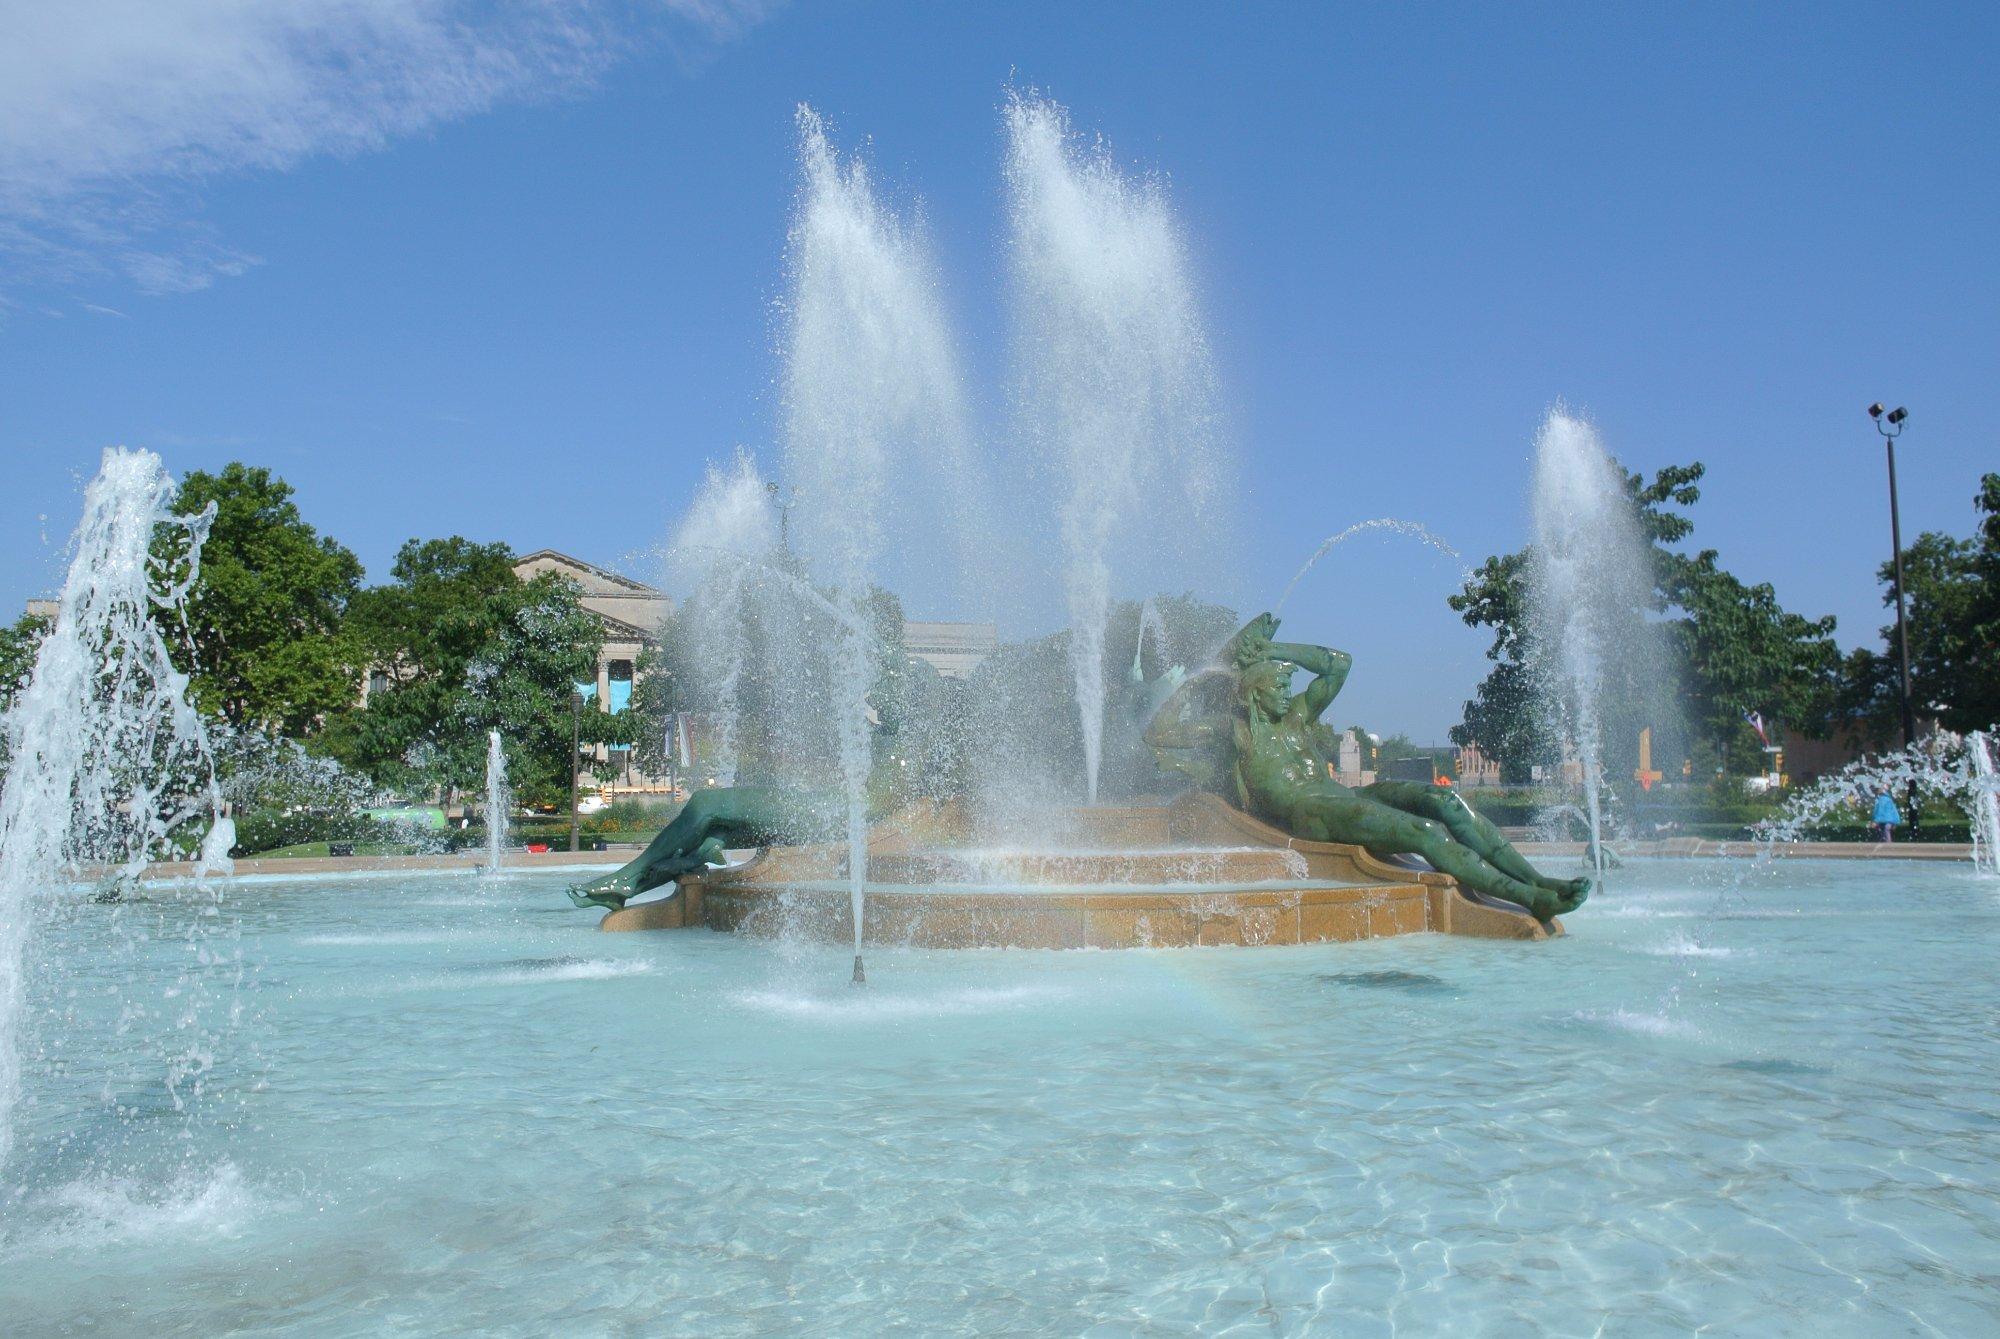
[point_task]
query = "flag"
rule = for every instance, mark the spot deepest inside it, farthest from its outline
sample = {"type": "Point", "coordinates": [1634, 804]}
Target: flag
{"type": "Point", "coordinates": [1756, 719]}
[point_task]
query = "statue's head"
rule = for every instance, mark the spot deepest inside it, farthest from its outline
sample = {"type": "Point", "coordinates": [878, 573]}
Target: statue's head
{"type": "Point", "coordinates": [1267, 688]}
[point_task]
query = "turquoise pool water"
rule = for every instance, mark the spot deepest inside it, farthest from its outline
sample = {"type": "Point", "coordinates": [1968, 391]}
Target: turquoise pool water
{"type": "Point", "coordinates": [1762, 1104]}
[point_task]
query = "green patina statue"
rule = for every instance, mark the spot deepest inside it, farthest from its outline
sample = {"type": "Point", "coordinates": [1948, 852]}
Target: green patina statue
{"type": "Point", "coordinates": [710, 822]}
{"type": "Point", "coordinates": [1237, 729]}
{"type": "Point", "coordinates": [1243, 735]}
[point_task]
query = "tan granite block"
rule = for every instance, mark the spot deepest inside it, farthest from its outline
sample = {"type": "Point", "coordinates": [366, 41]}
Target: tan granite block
{"type": "Point", "coordinates": [1321, 922]}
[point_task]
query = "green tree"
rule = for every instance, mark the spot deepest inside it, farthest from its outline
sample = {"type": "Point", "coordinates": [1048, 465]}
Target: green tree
{"type": "Point", "coordinates": [1953, 598]}
{"type": "Point", "coordinates": [19, 645]}
{"type": "Point", "coordinates": [459, 645]}
{"type": "Point", "coordinates": [267, 613]}
{"type": "Point", "coordinates": [543, 644]}
{"type": "Point", "coordinates": [1745, 653]}
{"type": "Point", "coordinates": [1721, 647]}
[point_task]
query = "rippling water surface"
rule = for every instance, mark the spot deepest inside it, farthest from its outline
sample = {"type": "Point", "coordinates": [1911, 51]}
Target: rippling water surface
{"type": "Point", "coordinates": [1757, 1102]}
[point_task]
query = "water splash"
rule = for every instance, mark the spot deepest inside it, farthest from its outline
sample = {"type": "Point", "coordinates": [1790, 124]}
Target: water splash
{"type": "Point", "coordinates": [1589, 581]}
{"type": "Point", "coordinates": [499, 803]}
{"type": "Point", "coordinates": [1408, 529]}
{"type": "Point", "coordinates": [872, 406]}
{"type": "Point", "coordinates": [110, 765]}
{"type": "Point", "coordinates": [1118, 391]}
{"type": "Point", "coordinates": [1983, 774]}
{"type": "Point", "coordinates": [731, 520]}
{"type": "Point", "coordinates": [1942, 767]}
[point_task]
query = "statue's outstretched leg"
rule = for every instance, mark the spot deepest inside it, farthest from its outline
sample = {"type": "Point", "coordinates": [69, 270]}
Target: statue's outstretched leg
{"type": "Point", "coordinates": [1385, 831]}
{"type": "Point", "coordinates": [1470, 829]}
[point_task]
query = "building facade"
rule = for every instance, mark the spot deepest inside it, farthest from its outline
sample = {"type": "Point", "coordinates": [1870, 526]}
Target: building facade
{"type": "Point", "coordinates": [632, 614]}
{"type": "Point", "coordinates": [953, 649]}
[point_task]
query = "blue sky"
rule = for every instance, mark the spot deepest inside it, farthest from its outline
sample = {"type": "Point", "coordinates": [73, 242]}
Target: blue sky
{"type": "Point", "coordinates": [523, 290]}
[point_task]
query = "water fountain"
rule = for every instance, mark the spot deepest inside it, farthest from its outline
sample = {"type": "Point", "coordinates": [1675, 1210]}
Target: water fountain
{"type": "Point", "coordinates": [109, 766]}
{"type": "Point", "coordinates": [872, 408]}
{"type": "Point", "coordinates": [730, 522]}
{"type": "Point", "coordinates": [1117, 390]}
{"type": "Point", "coordinates": [1589, 582]}
{"type": "Point", "coordinates": [1983, 772]}
{"type": "Point", "coordinates": [499, 803]}
{"type": "Point", "coordinates": [1942, 768]}
{"type": "Point", "coordinates": [1407, 529]}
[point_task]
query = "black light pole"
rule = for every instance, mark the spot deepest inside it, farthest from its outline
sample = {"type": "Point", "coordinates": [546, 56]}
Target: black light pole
{"type": "Point", "coordinates": [575, 745]}
{"type": "Point", "coordinates": [1890, 425]}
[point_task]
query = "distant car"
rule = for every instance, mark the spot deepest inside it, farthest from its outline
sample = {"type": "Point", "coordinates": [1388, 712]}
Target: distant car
{"type": "Point", "coordinates": [592, 804]}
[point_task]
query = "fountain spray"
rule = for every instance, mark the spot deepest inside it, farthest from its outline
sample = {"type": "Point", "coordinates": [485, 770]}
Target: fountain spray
{"type": "Point", "coordinates": [1117, 388]}
{"type": "Point", "coordinates": [1589, 580]}
{"type": "Point", "coordinates": [872, 402]}
{"type": "Point", "coordinates": [109, 762]}
{"type": "Point", "coordinates": [499, 801]}
{"type": "Point", "coordinates": [1983, 781]}
{"type": "Point", "coordinates": [1409, 529]}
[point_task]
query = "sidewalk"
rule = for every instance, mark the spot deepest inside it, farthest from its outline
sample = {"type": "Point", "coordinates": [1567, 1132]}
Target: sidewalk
{"type": "Point", "coordinates": [369, 864]}
{"type": "Point", "coordinates": [1701, 846]}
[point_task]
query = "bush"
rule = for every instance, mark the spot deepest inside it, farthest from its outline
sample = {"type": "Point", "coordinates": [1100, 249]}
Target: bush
{"type": "Point", "coordinates": [269, 829]}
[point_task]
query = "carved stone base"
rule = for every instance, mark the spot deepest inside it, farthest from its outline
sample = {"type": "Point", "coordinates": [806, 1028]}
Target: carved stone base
{"type": "Point", "coordinates": [1196, 873]}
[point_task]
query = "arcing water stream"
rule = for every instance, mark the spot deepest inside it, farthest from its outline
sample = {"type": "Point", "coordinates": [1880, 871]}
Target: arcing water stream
{"type": "Point", "coordinates": [1409, 529]}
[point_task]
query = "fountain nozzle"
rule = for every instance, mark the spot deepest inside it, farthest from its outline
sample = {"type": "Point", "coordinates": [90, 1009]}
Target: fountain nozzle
{"type": "Point", "coordinates": [860, 977]}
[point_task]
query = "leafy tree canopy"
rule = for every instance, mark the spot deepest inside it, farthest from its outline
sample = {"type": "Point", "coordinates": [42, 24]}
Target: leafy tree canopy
{"type": "Point", "coordinates": [267, 615]}
{"type": "Point", "coordinates": [461, 646]}
{"type": "Point", "coordinates": [1954, 618]}
{"type": "Point", "coordinates": [1705, 649]}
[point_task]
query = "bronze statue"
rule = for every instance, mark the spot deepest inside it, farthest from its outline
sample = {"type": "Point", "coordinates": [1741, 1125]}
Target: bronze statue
{"type": "Point", "coordinates": [1237, 729]}
{"type": "Point", "coordinates": [711, 821]}
{"type": "Point", "coordinates": [1241, 733]}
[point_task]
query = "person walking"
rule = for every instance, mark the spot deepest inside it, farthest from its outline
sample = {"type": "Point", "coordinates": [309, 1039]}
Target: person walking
{"type": "Point", "coordinates": [1886, 817]}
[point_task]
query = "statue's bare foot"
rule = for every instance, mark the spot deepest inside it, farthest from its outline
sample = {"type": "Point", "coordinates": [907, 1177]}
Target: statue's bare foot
{"type": "Point", "coordinates": [591, 895]}
{"type": "Point", "coordinates": [1570, 894]}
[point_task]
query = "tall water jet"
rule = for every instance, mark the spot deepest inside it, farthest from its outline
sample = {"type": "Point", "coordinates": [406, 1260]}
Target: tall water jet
{"type": "Point", "coordinates": [1590, 583]}
{"type": "Point", "coordinates": [1117, 388]}
{"type": "Point", "coordinates": [109, 766]}
{"type": "Point", "coordinates": [499, 803]}
{"type": "Point", "coordinates": [1982, 766]}
{"type": "Point", "coordinates": [872, 408]}
{"type": "Point", "coordinates": [730, 524]}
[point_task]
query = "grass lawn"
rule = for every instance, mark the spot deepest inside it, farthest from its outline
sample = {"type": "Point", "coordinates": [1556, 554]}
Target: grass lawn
{"type": "Point", "coordinates": [319, 849]}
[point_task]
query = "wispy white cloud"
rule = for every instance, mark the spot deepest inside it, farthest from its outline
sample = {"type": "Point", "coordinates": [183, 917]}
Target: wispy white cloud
{"type": "Point", "coordinates": [112, 112]}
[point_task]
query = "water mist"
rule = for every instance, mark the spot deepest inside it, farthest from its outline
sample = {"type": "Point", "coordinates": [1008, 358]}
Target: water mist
{"type": "Point", "coordinates": [1117, 389]}
{"type": "Point", "coordinates": [499, 801]}
{"type": "Point", "coordinates": [872, 406]}
{"type": "Point", "coordinates": [1589, 583]}
{"type": "Point", "coordinates": [108, 761]}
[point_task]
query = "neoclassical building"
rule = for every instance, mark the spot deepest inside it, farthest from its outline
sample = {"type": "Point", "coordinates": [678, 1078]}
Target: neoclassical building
{"type": "Point", "coordinates": [631, 611]}
{"type": "Point", "coordinates": [632, 614]}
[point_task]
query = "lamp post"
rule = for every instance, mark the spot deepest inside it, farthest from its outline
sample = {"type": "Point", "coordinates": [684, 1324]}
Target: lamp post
{"type": "Point", "coordinates": [1890, 425]}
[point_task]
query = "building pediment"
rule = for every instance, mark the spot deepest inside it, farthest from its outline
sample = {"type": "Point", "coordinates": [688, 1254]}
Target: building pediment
{"type": "Point", "coordinates": [595, 580]}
